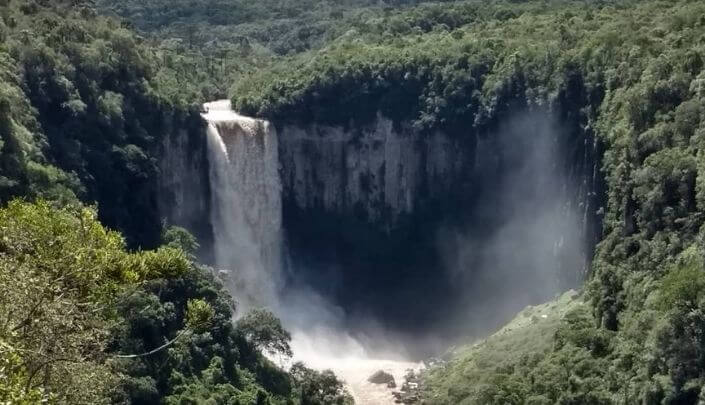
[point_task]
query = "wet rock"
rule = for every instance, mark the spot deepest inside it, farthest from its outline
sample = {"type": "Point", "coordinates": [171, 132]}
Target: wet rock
{"type": "Point", "coordinates": [434, 362]}
{"type": "Point", "coordinates": [410, 399]}
{"type": "Point", "coordinates": [409, 391]}
{"type": "Point", "coordinates": [410, 375]}
{"type": "Point", "coordinates": [381, 377]}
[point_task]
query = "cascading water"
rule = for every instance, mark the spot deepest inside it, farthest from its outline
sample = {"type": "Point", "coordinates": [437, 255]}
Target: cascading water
{"type": "Point", "coordinates": [246, 213]}
{"type": "Point", "coordinates": [521, 203]}
{"type": "Point", "coordinates": [246, 216]}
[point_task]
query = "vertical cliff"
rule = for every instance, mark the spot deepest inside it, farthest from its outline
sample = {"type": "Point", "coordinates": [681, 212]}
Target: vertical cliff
{"type": "Point", "coordinates": [375, 216]}
{"type": "Point", "coordinates": [379, 215]}
{"type": "Point", "coordinates": [183, 188]}
{"type": "Point", "coordinates": [378, 172]}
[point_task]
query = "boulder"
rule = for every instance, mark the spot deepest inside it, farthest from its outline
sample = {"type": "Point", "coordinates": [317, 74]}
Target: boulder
{"type": "Point", "coordinates": [381, 377]}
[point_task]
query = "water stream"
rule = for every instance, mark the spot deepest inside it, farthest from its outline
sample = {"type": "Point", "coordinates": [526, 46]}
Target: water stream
{"type": "Point", "coordinates": [246, 216]}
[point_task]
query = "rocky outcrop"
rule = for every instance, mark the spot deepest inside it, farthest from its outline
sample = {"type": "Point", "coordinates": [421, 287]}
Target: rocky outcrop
{"type": "Point", "coordinates": [379, 171]}
{"type": "Point", "coordinates": [183, 195]}
{"type": "Point", "coordinates": [381, 377]}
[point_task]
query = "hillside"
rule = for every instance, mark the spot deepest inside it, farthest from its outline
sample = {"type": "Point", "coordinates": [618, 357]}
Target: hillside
{"type": "Point", "coordinates": [280, 26]}
{"type": "Point", "coordinates": [85, 106]}
{"type": "Point", "coordinates": [518, 349]}
{"type": "Point", "coordinates": [215, 43]}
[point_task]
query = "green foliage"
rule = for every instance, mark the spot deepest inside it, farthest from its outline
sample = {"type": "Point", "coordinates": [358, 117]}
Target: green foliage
{"type": "Point", "coordinates": [208, 359]}
{"type": "Point", "coordinates": [199, 314]}
{"type": "Point", "coordinates": [14, 379]}
{"type": "Point", "coordinates": [684, 284]}
{"type": "Point", "coordinates": [264, 330]}
{"type": "Point", "coordinates": [318, 388]}
{"type": "Point", "coordinates": [546, 355]}
{"type": "Point", "coordinates": [179, 238]}
{"type": "Point", "coordinates": [84, 103]}
{"type": "Point", "coordinates": [204, 47]}
{"type": "Point", "coordinates": [283, 26]}
{"type": "Point", "coordinates": [86, 321]}
{"type": "Point", "coordinates": [628, 73]}
{"type": "Point", "coordinates": [83, 110]}
{"type": "Point", "coordinates": [62, 273]}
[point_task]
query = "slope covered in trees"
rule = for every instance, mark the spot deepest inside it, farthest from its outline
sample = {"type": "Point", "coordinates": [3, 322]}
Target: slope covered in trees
{"type": "Point", "coordinates": [87, 322]}
{"type": "Point", "coordinates": [631, 73]}
{"type": "Point", "coordinates": [84, 106]}
{"type": "Point", "coordinates": [215, 43]}
{"type": "Point", "coordinates": [280, 26]}
{"type": "Point", "coordinates": [87, 316]}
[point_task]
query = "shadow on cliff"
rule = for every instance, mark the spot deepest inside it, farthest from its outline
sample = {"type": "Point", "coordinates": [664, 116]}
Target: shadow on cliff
{"type": "Point", "coordinates": [515, 232]}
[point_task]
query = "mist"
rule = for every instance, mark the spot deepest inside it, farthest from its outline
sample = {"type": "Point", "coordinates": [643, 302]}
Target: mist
{"type": "Point", "coordinates": [518, 240]}
{"type": "Point", "coordinates": [521, 241]}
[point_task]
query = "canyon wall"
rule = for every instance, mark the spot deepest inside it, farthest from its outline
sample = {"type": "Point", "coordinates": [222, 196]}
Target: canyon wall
{"type": "Point", "coordinates": [183, 188]}
{"type": "Point", "coordinates": [379, 171]}
{"type": "Point", "coordinates": [375, 216]}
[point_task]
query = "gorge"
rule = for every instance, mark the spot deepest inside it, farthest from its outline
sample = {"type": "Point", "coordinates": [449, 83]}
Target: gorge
{"type": "Point", "coordinates": [512, 192]}
{"type": "Point", "coordinates": [414, 239]}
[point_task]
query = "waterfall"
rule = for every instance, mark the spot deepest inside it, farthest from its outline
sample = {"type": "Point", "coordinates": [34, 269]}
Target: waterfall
{"type": "Point", "coordinates": [246, 213]}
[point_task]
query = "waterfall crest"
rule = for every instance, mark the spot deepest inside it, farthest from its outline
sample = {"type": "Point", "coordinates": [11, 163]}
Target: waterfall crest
{"type": "Point", "coordinates": [246, 213]}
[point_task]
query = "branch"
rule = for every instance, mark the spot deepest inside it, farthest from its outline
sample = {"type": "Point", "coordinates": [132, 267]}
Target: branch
{"type": "Point", "coordinates": [41, 366]}
{"type": "Point", "coordinates": [162, 347]}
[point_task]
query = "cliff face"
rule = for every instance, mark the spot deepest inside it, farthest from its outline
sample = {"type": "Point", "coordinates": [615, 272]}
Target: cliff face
{"type": "Point", "coordinates": [183, 194]}
{"type": "Point", "coordinates": [375, 216]}
{"type": "Point", "coordinates": [382, 171]}
{"type": "Point", "coordinates": [377, 172]}
{"type": "Point", "coordinates": [512, 209]}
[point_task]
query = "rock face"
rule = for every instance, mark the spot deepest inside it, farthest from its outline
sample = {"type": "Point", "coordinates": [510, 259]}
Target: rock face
{"type": "Point", "coordinates": [363, 206]}
{"type": "Point", "coordinates": [379, 171]}
{"type": "Point", "coordinates": [382, 171]}
{"type": "Point", "coordinates": [183, 195]}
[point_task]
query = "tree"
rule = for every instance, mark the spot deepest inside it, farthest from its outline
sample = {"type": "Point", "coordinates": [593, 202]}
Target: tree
{"type": "Point", "coordinates": [180, 238]}
{"type": "Point", "coordinates": [264, 330]}
{"type": "Point", "coordinates": [319, 388]}
{"type": "Point", "coordinates": [61, 274]}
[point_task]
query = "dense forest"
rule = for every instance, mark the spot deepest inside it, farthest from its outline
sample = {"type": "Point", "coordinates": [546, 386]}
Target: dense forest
{"type": "Point", "coordinates": [213, 44]}
{"type": "Point", "coordinates": [104, 325]}
{"type": "Point", "coordinates": [87, 315]}
{"type": "Point", "coordinates": [280, 26]}
{"type": "Point", "coordinates": [629, 72]}
{"type": "Point", "coordinates": [89, 89]}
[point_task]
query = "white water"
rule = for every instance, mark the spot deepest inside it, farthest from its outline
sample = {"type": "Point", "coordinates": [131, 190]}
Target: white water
{"type": "Point", "coordinates": [245, 204]}
{"type": "Point", "coordinates": [246, 215]}
{"type": "Point", "coordinates": [324, 349]}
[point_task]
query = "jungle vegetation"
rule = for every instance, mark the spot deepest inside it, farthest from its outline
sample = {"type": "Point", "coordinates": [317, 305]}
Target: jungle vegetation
{"type": "Point", "coordinates": [85, 321]}
{"type": "Point", "coordinates": [84, 101]}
